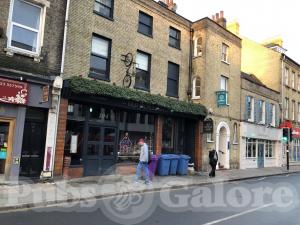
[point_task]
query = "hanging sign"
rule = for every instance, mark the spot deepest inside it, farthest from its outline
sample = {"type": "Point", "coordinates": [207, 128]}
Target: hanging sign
{"type": "Point", "coordinates": [13, 92]}
{"type": "Point", "coordinates": [221, 98]}
{"type": "Point", "coordinates": [208, 126]}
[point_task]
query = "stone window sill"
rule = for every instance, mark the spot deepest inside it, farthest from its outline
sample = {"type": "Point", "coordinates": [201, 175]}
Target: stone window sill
{"type": "Point", "coordinates": [10, 53]}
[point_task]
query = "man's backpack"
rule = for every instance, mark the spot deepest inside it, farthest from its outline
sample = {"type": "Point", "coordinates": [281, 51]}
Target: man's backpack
{"type": "Point", "coordinates": [215, 156]}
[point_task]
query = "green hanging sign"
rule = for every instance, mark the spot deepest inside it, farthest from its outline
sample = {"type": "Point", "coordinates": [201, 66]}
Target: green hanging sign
{"type": "Point", "coordinates": [222, 98]}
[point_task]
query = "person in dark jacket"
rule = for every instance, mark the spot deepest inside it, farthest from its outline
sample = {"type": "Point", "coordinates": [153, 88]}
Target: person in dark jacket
{"type": "Point", "coordinates": [213, 160]}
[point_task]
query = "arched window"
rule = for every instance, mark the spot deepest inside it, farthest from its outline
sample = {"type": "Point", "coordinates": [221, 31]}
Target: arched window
{"type": "Point", "coordinates": [198, 46]}
{"type": "Point", "coordinates": [235, 134]}
{"type": "Point", "coordinates": [196, 87]}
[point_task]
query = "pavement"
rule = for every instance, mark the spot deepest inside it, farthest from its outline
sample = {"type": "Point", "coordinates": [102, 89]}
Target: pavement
{"type": "Point", "coordinates": [272, 200]}
{"type": "Point", "coordinates": [30, 195]}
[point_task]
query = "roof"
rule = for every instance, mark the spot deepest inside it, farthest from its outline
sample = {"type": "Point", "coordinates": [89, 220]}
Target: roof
{"type": "Point", "coordinates": [252, 78]}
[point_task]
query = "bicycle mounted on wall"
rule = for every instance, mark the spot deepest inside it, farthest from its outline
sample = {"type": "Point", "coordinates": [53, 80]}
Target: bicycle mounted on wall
{"type": "Point", "coordinates": [130, 69]}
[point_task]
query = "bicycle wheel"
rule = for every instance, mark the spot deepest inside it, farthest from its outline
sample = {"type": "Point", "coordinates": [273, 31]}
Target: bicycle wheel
{"type": "Point", "coordinates": [127, 81]}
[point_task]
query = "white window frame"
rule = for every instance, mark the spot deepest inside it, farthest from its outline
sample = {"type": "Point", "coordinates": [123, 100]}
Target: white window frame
{"type": "Point", "coordinates": [268, 146]}
{"type": "Point", "coordinates": [253, 142]}
{"type": "Point", "coordinates": [286, 76]}
{"type": "Point", "coordinates": [251, 119]}
{"type": "Point", "coordinates": [263, 112]}
{"type": "Point", "coordinates": [197, 47]}
{"type": "Point", "coordinates": [40, 31]}
{"type": "Point", "coordinates": [226, 83]}
{"type": "Point", "coordinates": [194, 96]}
{"type": "Point", "coordinates": [293, 110]}
{"type": "Point", "coordinates": [286, 108]}
{"type": "Point", "coordinates": [224, 53]}
{"type": "Point", "coordinates": [293, 79]}
{"type": "Point", "coordinates": [273, 116]}
{"type": "Point", "coordinates": [209, 138]}
{"type": "Point", "coordinates": [298, 82]}
{"type": "Point", "coordinates": [235, 133]}
{"type": "Point", "coordinates": [298, 111]}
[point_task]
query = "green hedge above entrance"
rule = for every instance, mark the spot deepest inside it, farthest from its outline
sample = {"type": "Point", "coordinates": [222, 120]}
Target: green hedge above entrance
{"type": "Point", "coordinates": [79, 85]}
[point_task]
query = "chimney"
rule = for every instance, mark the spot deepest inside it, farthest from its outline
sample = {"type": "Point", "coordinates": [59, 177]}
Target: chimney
{"type": "Point", "coordinates": [170, 4]}
{"type": "Point", "coordinates": [220, 19]}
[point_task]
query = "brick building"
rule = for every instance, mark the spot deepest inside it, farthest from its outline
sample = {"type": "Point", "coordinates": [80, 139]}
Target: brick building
{"type": "Point", "coordinates": [260, 137]}
{"type": "Point", "coordinates": [270, 63]}
{"type": "Point", "coordinates": [216, 84]}
{"type": "Point", "coordinates": [30, 59]}
{"type": "Point", "coordinates": [103, 112]}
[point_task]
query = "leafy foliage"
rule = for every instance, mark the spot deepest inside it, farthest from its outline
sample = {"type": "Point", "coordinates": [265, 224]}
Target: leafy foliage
{"type": "Point", "coordinates": [79, 85]}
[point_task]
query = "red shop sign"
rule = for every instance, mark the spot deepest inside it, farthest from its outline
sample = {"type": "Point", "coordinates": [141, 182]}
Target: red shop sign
{"type": "Point", "coordinates": [296, 132]}
{"type": "Point", "coordinates": [13, 92]}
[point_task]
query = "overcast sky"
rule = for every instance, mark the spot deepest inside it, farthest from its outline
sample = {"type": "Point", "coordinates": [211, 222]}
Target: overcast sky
{"type": "Point", "coordinates": [258, 19]}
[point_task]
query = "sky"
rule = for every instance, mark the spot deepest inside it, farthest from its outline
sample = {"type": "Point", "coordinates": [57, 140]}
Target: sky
{"type": "Point", "coordinates": [259, 19]}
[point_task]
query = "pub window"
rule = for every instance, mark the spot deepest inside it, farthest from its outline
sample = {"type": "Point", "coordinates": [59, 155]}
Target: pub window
{"type": "Point", "coordinates": [100, 114]}
{"type": "Point", "coordinates": [145, 24]}
{"type": "Point", "coordinates": [251, 148]}
{"type": "Point", "coordinates": [104, 8]}
{"type": "Point", "coordinates": [142, 77]}
{"type": "Point", "coordinates": [131, 117]}
{"type": "Point", "coordinates": [76, 111]}
{"type": "Point", "coordinates": [173, 77]}
{"type": "Point", "coordinates": [168, 135]}
{"type": "Point", "coordinates": [74, 141]}
{"type": "Point", "coordinates": [174, 38]}
{"type": "Point", "coordinates": [225, 53]}
{"type": "Point", "coordinates": [151, 119]}
{"type": "Point", "coordinates": [25, 32]}
{"type": "Point", "coordinates": [100, 58]}
{"type": "Point", "coordinates": [142, 118]}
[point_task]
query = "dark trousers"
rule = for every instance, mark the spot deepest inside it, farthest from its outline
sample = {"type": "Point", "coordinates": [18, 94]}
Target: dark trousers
{"type": "Point", "coordinates": [213, 169]}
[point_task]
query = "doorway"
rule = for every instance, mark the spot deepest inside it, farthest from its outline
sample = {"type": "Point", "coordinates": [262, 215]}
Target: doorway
{"type": "Point", "coordinates": [33, 147]}
{"type": "Point", "coordinates": [100, 150]}
{"type": "Point", "coordinates": [222, 145]}
{"type": "Point", "coordinates": [260, 155]}
{"type": "Point", "coordinates": [6, 142]}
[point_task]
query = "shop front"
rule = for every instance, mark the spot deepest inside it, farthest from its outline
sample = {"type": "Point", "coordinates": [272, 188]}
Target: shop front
{"type": "Point", "coordinates": [295, 146]}
{"type": "Point", "coordinates": [260, 146]}
{"type": "Point", "coordinates": [102, 132]}
{"type": "Point", "coordinates": [23, 119]}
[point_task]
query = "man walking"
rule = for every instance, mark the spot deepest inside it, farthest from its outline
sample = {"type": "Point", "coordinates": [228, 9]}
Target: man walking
{"type": "Point", "coordinates": [213, 160]}
{"type": "Point", "coordinates": [143, 162]}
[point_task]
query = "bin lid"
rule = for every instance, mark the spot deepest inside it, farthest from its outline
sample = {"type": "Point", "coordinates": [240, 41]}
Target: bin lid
{"type": "Point", "coordinates": [173, 156]}
{"type": "Point", "coordinates": [185, 157]}
{"type": "Point", "coordinates": [165, 156]}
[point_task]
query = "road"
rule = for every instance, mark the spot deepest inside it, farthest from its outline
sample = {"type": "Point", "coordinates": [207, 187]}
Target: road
{"type": "Point", "coordinates": [264, 201]}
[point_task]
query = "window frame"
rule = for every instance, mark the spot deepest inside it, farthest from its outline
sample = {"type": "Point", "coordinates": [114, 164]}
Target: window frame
{"type": "Point", "coordinates": [224, 55]}
{"type": "Point", "coordinates": [262, 112]}
{"type": "Point", "coordinates": [148, 72]}
{"type": "Point", "coordinates": [170, 78]}
{"type": "Point", "coordinates": [194, 96]}
{"type": "Point", "coordinates": [273, 122]}
{"type": "Point", "coordinates": [286, 76]}
{"type": "Point", "coordinates": [101, 76]}
{"type": "Point", "coordinates": [142, 23]}
{"type": "Point", "coordinates": [235, 134]}
{"type": "Point", "coordinates": [178, 40]}
{"type": "Point", "coordinates": [293, 77]}
{"type": "Point", "coordinates": [286, 108]}
{"type": "Point", "coordinates": [40, 31]}
{"type": "Point", "coordinates": [298, 83]}
{"type": "Point", "coordinates": [293, 110]}
{"type": "Point", "coordinates": [111, 17]}
{"type": "Point", "coordinates": [250, 109]}
{"type": "Point", "coordinates": [253, 142]}
{"type": "Point", "coordinates": [198, 49]}
{"type": "Point", "coordinates": [269, 147]}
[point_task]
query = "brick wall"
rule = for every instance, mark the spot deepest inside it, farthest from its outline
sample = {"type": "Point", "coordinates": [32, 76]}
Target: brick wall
{"type": "Point", "coordinates": [198, 146]}
{"type": "Point", "coordinates": [52, 41]}
{"type": "Point", "coordinates": [158, 134]}
{"type": "Point", "coordinates": [60, 140]}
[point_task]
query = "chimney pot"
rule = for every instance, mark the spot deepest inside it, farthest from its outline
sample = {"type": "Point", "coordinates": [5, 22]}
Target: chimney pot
{"type": "Point", "coordinates": [213, 17]}
{"type": "Point", "coordinates": [217, 16]}
{"type": "Point", "coordinates": [221, 14]}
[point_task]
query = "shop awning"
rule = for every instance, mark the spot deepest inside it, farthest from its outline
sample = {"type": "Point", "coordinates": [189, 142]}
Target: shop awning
{"type": "Point", "coordinates": [82, 86]}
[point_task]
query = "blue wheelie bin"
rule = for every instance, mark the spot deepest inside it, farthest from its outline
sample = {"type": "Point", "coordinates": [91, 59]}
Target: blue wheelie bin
{"type": "Point", "coordinates": [163, 165]}
{"type": "Point", "coordinates": [173, 164]}
{"type": "Point", "coordinates": [182, 168]}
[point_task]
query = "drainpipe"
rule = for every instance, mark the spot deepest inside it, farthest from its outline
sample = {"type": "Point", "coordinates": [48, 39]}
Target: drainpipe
{"type": "Point", "coordinates": [189, 91]}
{"type": "Point", "coordinates": [53, 116]}
{"type": "Point", "coordinates": [282, 88]}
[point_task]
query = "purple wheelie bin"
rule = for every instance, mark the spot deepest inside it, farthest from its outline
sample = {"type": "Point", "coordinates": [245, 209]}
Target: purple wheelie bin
{"type": "Point", "coordinates": [153, 166]}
